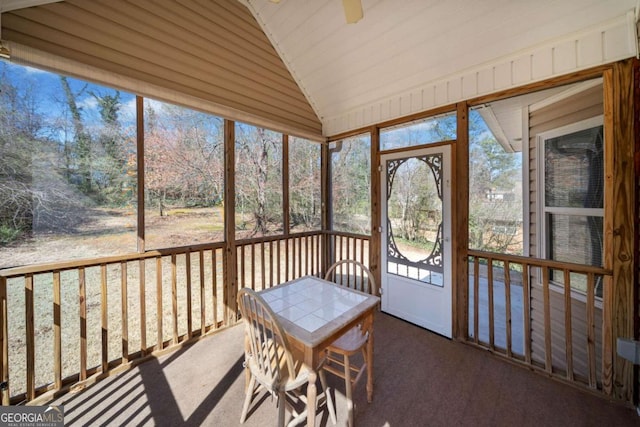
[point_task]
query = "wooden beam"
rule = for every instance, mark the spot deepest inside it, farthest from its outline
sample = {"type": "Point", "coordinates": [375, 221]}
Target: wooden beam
{"type": "Point", "coordinates": [459, 226]}
{"type": "Point", "coordinates": [619, 226]}
{"type": "Point", "coordinates": [230, 271]}
{"type": "Point", "coordinates": [140, 166]}
{"type": "Point", "coordinates": [325, 190]}
{"type": "Point", "coordinates": [375, 244]}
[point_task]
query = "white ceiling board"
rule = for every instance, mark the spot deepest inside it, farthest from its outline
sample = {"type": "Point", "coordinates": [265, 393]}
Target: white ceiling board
{"type": "Point", "coordinates": [402, 50]}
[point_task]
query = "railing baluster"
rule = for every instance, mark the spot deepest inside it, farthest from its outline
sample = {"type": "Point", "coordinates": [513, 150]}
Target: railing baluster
{"type": "Point", "coordinates": [253, 266]}
{"type": "Point", "coordinates": [263, 271]}
{"type": "Point", "coordinates": [299, 257]}
{"type": "Point", "coordinates": [82, 296]}
{"type": "Point", "coordinates": [125, 311]}
{"type": "Point", "coordinates": [214, 280]}
{"type": "Point", "coordinates": [30, 338]}
{"type": "Point", "coordinates": [591, 331]}
{"type": "Point", "coordinates": [203, 309]}
{"type": "Point", "coordinates": [104, 318]}
{"type": "Point", "coordinates": [507, 301]}
{"type": "Point", "coordinates": [568, 336]}
{"type": "Point", "coordinates": [243, 267]}
{"type": "Point", "coordinates": [189, 302]}
{"type": "Point", "coordinates": [547, 320]}
{"type": "Point", "coordinates": [270, 263]}
{"type": "Point", "coordinates": [159, 313]}
{"type": "Point", "coordinates": [491, 305]}
{"type": "Point", "coordinates": [306, 255]}
{"type": "Point", "coordinates": [4, 337]}
{"type": "Point", "coordinates": [174, 297]}
{"type": "Point", "coordinates": [143, 306]}
{"type": "Point", "coordinates": [526, 297]}
{"type": "Point", "coordinates": [278, 257]}
{"type": "Point", "coordinates": [57, 332]}
{"type": "Point", "coordinates": [476, 299]}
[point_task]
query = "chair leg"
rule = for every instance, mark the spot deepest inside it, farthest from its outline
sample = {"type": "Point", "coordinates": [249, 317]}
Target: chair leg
{"type": "Point", "coordinates": [347, 381]}
{"type": "Point", "coordinates": [282, 406]}
{"type": "Point", "coordinates": [247, 400]}
{"type": "Point", "coordinates": [328, 398]}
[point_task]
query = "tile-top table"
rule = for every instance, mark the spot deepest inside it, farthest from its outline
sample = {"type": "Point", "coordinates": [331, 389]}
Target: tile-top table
{"type": "Point", "coordinates": [314, 313]}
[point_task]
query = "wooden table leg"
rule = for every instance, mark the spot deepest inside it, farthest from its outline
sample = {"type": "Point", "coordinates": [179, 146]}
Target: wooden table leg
{"type": "Point", "coordinates": [312, 393]}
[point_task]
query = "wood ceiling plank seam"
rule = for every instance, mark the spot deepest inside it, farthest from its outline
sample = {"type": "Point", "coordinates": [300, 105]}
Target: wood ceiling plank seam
{"type": "Point", "coordinates": [387, 34]}
{"type": "Point", "coordinates": [237, 9]}
{"type": "Point", "coordinates": [290, 69]}
{"type": "Point", "coordinates": [125, 14]}
{"type": "Point", "coordinates": [58, 44]}
{"type": "Point", "coordinates": [265, 44]}
{"type": "Point", "coordinates": [416, 42]}
{"type": "Point", "coordinates": [371, 43]}
{"type": "Point", "coordinates": [233, 24]}
{"type": "Point", "coordinates": [283, 14]}
{"type": "Point", "coordinates": [205, 28]}
{"type": "Point", "coordinates": [96, 34]}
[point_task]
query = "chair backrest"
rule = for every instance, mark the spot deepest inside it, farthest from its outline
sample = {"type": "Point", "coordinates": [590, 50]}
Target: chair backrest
{"type": "Point", "coordinates": [353, 274]}
{"type": "Point", "coordinates": [266, 347]}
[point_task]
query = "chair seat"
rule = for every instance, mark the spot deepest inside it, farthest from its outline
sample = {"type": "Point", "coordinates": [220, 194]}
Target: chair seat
{"type": "Point", "coordinates": [350, 342]}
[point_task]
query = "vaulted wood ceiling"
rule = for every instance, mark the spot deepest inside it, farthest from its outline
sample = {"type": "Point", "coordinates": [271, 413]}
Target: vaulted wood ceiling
{"type": "Point", "coordinates": [313, 74]}
{"type": "Point", "coordinates": [412, 55]}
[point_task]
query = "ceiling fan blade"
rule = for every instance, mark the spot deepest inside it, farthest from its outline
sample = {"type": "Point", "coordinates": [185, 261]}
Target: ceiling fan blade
{"type": "Point", "coordinates": [352, 10]}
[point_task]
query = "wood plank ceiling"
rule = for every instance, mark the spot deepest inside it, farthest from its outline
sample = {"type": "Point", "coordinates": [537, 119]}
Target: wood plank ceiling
{"type": "Point", "coordinates": [311, 72]}
{"type": "Point", "coordinates": [413, 55]}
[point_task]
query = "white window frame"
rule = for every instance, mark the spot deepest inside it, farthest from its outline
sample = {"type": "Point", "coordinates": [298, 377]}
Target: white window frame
{"type": "Point", "coordinates": [542, 209]}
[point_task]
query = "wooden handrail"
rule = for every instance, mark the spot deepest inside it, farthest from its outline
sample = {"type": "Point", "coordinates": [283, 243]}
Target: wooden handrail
{"type": "Point", "coordinates": [539, 262]}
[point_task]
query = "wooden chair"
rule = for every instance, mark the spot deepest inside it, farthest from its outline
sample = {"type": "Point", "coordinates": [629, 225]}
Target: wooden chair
{"type": "Point", "coordinates": [269, 362]}
{"type": "Point", "coordinates": [354, 341]}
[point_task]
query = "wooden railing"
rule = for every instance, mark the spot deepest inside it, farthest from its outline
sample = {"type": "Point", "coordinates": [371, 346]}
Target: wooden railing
{"type": "Point", "coordinates": [343, 245]}
{"type": "Point", "coordinates": [534, 315]}
{"type": "Point", "coordinates": [66, 325]}
{"type": "Point", "coordinates": [70, 323]}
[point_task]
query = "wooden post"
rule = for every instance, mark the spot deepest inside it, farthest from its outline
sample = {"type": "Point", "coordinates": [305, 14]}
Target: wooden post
{"type": "Point", "coordinates": [375, 244]}
{"type": "Point", "coordinates": [140, 165]}
{"type": "Point", "coordinates": [285, 184]}
{"type": "Point", "coordinates": [459, 226]}
{"type": "Point", "coordinates": [230, 272]}
{"type": "Point", "coordinates": [618, 308]}
{"type": "Point", "coordinates": [325, 189]}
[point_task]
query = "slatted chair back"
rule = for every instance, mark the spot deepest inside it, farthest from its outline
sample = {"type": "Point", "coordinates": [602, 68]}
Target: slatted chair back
{"type": "Point", "coordinates": [267, 354]}
{"type": "Point", "coordinates": [353, 274]}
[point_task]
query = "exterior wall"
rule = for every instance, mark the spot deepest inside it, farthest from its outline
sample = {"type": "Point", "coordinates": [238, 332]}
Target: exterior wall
{"type": "Point", "coordinates": [577, 107]}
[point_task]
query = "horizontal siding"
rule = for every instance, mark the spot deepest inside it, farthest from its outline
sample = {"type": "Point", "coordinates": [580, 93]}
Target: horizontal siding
{"type": "Point", "coordinates": [568, 110]}
{"type": "Point", "coordinates": [211, 50]}
{"type": "Point", "coordinates": [578, 328]}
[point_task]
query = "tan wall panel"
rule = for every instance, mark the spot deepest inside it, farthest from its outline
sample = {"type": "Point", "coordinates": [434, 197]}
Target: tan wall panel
{"type": "Point", "coordinates": [212, 50]}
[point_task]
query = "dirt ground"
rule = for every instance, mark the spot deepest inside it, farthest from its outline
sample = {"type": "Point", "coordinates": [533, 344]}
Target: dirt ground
{"type": "Point", "coordinates": [104, 232]}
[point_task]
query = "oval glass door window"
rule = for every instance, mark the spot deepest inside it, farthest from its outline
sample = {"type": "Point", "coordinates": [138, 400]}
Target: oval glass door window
{"type": "Point", "coordinates": [414, 218]}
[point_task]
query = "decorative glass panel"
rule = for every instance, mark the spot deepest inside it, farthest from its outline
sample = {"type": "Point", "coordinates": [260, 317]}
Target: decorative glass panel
{"type": "Point", "coordinates": [414, 216]}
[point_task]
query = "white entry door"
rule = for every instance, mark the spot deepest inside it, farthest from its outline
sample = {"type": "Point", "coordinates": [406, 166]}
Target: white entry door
{"type": "Point", "coordinates": [416, 244]}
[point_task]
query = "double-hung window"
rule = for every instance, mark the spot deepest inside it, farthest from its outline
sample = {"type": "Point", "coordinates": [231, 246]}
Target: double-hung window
{"type": "Point", "coordinates": [572, 196]}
